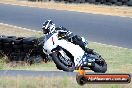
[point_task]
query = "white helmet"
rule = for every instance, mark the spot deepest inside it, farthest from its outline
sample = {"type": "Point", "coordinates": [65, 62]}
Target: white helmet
{"type": "Point", "coordinates": [48, 27]}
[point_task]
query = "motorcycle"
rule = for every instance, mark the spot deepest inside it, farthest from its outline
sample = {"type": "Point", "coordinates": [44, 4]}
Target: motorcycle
{"type": "Point", "coordinates": [69, 57]}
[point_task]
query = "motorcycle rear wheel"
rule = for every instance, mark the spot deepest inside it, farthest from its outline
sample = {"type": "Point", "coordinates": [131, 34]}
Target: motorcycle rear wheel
{"type": "Point", "coordinates": [99, 67]}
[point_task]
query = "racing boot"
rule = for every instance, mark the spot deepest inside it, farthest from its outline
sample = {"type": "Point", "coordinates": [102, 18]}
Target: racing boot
{"type": "Point", "coordinates": [89, 51]}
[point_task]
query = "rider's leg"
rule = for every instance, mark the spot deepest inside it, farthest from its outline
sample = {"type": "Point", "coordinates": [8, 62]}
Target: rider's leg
{"type": "Point", "coordinates": [78, 40]}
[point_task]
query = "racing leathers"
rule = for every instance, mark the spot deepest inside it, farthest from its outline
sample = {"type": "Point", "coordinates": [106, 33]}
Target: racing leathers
{"type": "Point", "coordinates": [75, 39]}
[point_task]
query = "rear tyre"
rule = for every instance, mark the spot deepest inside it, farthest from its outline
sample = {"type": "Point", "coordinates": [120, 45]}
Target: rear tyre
{"type": "Point", "coordinates": [118, 3]}
{"type": "Point", "coordinates": [108, 3]}
{"type": "Point", "coordinates": [100, 67]}
{"type": "Point", "coordinates": [91, 1]}
{"type": "Point", "coordinates": [80, 1]}
{"type": "Point", "coordinates": [129, 3]}
{"type": "Point", "coordinates": [17, 44]}
{"type": "Point", "coordinates": [113, 1]}
{"type": "Point", "coordinates": [30, 40]}
{"type": "Point", "coordinates": [12, 37]}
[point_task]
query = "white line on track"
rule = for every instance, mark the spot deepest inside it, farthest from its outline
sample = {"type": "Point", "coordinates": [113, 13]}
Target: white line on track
{"type": "Point", "coordinates": [66, 10]}
{"type": "Point", "coordinates": [40, 31]}
{"type": "Point", "coordinates": [19, 27]}
{"type": "Point", "coordinates": [111, 45]}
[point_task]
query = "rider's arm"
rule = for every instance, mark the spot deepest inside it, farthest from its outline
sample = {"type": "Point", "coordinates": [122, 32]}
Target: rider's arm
{"type": "Point", "coordinates": [64, 32]}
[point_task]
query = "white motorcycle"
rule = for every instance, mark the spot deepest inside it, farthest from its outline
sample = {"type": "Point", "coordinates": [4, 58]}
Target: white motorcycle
{"type": "Point", "coordinates": [69, 57]}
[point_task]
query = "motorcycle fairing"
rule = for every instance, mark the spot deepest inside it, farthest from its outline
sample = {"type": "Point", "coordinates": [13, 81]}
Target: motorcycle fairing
{"type": "Point", "coordinates": [52, 42]}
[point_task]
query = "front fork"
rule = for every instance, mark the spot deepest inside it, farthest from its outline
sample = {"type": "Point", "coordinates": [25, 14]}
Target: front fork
{"type": "Point", "coordinates": [88, 61]}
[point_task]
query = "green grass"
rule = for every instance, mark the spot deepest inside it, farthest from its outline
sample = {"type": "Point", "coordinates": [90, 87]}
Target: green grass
{"type": "Point", "coordinates": [51, 82]}
{"type": "Point", "coordinates": [119, 60]}
{"type": "Point", "coordinates": [38, 66]}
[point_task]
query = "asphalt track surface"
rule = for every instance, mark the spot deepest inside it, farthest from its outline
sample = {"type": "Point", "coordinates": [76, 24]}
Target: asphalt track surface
{"type": "Point", "coordinates": [15, 73]}
{"type": "Point", "coordinates": [111, 30]}
{"type": "Point", "coordinates": [25, 73]}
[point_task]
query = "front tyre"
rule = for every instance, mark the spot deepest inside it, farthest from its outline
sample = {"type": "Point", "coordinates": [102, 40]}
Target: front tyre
{"type": "Point", "coordinates": [57, 60]}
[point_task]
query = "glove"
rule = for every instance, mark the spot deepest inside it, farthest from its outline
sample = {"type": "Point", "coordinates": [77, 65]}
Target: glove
{"type": "Point", "coordinates": [61, 34]}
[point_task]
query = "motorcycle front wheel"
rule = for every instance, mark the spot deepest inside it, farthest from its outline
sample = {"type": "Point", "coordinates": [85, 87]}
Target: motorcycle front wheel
{"type": "Point", "coordinates": [61, 63]}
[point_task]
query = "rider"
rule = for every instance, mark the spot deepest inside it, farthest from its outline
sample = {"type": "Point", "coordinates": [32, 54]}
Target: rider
{"type": "Point", "coordinates": [49, 27]}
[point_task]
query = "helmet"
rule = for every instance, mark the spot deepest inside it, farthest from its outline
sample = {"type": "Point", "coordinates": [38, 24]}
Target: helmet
{"type": "Point", "coordinates": [48, 27]}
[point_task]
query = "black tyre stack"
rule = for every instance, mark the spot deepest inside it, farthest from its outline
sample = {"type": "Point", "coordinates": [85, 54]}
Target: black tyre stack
{"type": "Point", "coordinates": [29, 44]}
{"type": "Point", "coordinates": [17, 44]}
{"type": "Point", "coordinates": [106, 2]}
{"type": "Point", "coordinates": [21, 48]}
{"type": "Point", "coordinates": [129, 3]}
{"type": "Point", "coordinates": [1, 45]}
{"type": "Point", "coordinates": [17, 53]}
{"type": "Point", "coordinates": [7, 44]}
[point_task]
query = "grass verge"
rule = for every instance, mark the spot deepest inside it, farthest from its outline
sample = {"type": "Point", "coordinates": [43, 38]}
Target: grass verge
{"type": "Point", "coordinates": [51, 82]}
